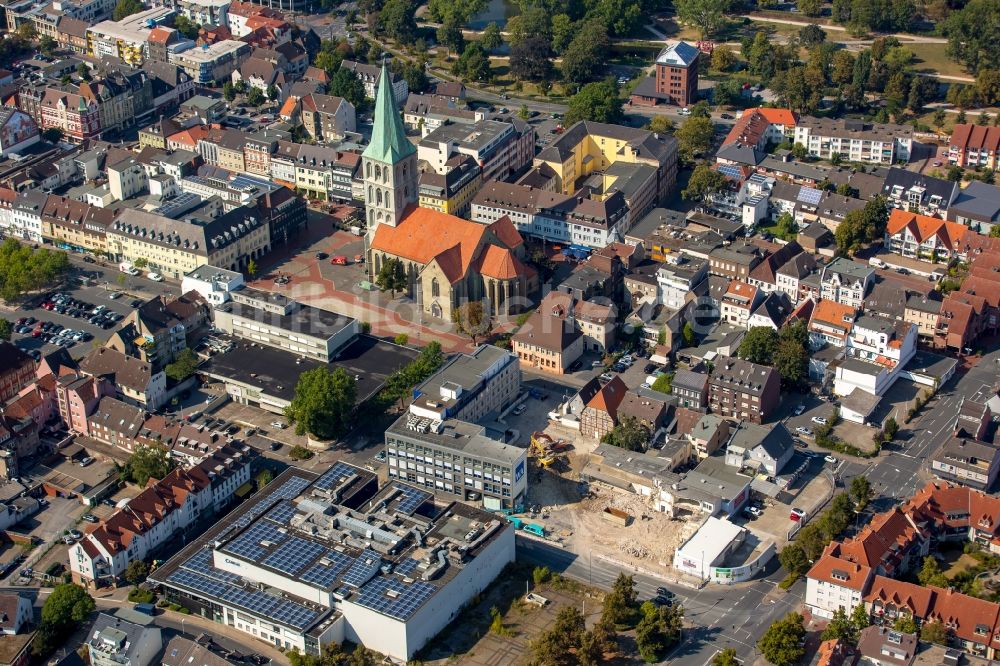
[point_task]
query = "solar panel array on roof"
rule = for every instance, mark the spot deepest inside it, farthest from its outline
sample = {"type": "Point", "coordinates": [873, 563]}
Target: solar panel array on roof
{"type": "Point", "coordinates": [809, 195]}
{"type": "Point", "coordinates": [333, 476]}
{"type": "Point", "coordinates": [411, 500]}
{"type": "Point", "coordinates": [294, 555]}
{"type": "Point", "coordinates": [730, 171]}
{"type": "Point", "coordinates": [289, 488]}
{"type": "Point", "coordinates": [364, 568]}
{"type": "Point", "coordinates": [249, 544]}
{"type": "Point", "coordinates": [406, 567]}
{"type": "Point", "coordinates": [281, 513]}
{"type": "Point", "coordinates": [201, 563]}
{"type": "Point", "coordinates": [758, 179]}
{"type": "Point", "coordinates": [325, 571]}
{"type": "Point", "coordinates": [392, 597]}
{"type": "Point", "coordinates": [255, 601]}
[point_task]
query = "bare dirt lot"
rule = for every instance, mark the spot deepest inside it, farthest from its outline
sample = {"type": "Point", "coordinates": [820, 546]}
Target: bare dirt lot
{"type": "Point", "coordinates": [576, 519]}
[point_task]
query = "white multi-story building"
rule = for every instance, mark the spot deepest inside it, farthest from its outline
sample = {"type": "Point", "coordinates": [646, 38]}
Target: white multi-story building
{"type": "Point", "coordinates": [204, 12]}
{"type": "Point", "coordinates": [846, 282]}
{"type": "Point", "coordinates": [495, 146]}
{"type": "Point", "coordinates": [877, 350]}
{"type": "Point", "coordinates": [677, 277]}
{"type": "Point", "coordinates": [212, 283]}
{"type": "Point", "coordinates": [158, 514]}
{"type": "Point", "coordinates": [836, 584]}
{"type": "Point", "coordinates": [855, 140]}
{"type": "Point", "coordinates": [25, 216]}
{"type": "Point", "coordinates": [320, 559]}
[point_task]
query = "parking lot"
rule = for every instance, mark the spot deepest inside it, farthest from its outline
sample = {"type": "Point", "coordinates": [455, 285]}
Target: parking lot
{"type": "Point", "coordinates": [98, 294]}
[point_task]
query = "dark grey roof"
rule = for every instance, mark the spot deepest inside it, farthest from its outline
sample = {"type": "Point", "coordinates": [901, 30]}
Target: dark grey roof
{"type": "Point", "coordinates": [741, 154]}
{"type": "Point", "coordinates": [978, 201]}
{"type": "Point", "coordinates": [945, 189]}
{"type": "Point", "coordinates": [774, 439]}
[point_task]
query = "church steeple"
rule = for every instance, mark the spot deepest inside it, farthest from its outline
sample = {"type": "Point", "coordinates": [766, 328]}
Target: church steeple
{"type": "Point", "coordinates": [389, 161]}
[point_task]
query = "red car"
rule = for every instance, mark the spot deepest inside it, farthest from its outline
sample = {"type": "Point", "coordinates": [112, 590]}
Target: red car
{"type": "Point", "coordinates": [339, 260]}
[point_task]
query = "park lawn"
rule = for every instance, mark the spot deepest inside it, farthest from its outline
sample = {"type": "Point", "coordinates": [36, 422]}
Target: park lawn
{"type": "Point", "coordinates": [932, 58]}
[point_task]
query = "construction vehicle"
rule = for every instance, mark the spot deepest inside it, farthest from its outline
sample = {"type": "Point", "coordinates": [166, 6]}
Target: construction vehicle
{"type": "Point", "coordinates": [534, 528]}
{"type": "Point", "coordinates": [516, 522]}
{"type": "Point", "coordinates": [540, 443]}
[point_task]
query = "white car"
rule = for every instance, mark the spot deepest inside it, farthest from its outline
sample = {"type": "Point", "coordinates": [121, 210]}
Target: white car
{"type": "Point", "coordinates": [278, 424]}
{"type": "Point", "coordinates": [830, 459]}
{"type": "Point", "coordinates": [685, 111]}
{"type": "Point", "coordinates": [818, 419]}
{"type": "Point", "coordinates": [115, 294]}
{"type": "Point", "coordinates": [155, 277]}
{"type": "Point", "coordinates": [131, 270]}
{"type": "Point", "coordinates": [804, 431]}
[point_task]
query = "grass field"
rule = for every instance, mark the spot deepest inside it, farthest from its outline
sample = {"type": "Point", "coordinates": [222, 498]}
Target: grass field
{"type": "Point", "coordinates": [932, 57]}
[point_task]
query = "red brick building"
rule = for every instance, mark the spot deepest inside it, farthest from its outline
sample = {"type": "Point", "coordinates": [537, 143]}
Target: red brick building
{"type": "Point", "coordinates": [676, 78]}
{"type": "Point", "coordinates": [17, 370]}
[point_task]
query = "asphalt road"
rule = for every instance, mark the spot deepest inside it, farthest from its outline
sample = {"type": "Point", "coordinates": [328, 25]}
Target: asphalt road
{"type": "Point", "coordinates": [722, 617]}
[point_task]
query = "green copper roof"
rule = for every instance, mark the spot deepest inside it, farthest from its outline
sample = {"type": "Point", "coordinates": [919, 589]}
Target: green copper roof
{"type": "Point", "coordinates": [389, 143]}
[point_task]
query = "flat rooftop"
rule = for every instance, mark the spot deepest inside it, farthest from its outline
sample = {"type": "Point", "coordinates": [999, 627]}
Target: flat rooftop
{"type": "Point", "coordinates": [275, 371]}
{"type": "Point", "coordinates": [463, 374]}
{"type": "Point", "coordinates": [460, 436]}
{"type": "Point", "coordinates": [340, 534]}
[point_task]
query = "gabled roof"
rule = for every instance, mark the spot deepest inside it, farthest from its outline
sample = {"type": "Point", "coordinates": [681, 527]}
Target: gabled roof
{"type": "Point", "coordinates": [922, 227]}
{"type": "Point", "coordinates": [840, 572]}
{"type": "Point", "coordinates": [609, 397]}
{"type": "Point", "coordinates": [678, 54]}
{"type": "Point", "coordinates": [915, 598]}
{"type": "Point", "coordinates": [389, 144]}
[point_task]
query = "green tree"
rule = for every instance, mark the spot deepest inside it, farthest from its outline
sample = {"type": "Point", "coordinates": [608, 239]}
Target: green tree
{"type": "Point", "coordinates": [186, 27]}
{"type": "Point", "coordinates": [621, 603]}
{"type": "Point", "coordinates": [972, 36]}
{"type": "Point", "coordinates": [658, 630]}
{"type": "Point", "coordinates": [557, 645]}
{"type": "Point", "coordinates": [811, 35]}
{"type": "Point", "coordinates": [396, 20]}
{"type": "Point", "coordinates": [988, 86]}
{"type": "Point", "coordinates": [793, 559]}
{"type": "Point", "coordinates": [255, 97]}
{"type": "Point", "coordinates": [664, 383]}
{"type": "Point", "coordinates": [127, 8]}
{"type": "Point", "coordinates": [704, 181]}
{"type": "Point", "coordinates": [401, 339]}
{"type": "Point", "coordinates": [184, 365]}
{"type": "Point", "coordinates": [708, 16]}
{"type": "Point", "coordinates": [791, 356]}
{"type": "Point", "coordinates": [6, 330]}
{"type": "Point", "coordinates": [759, 345]}
{"type": "Point", "coordinates": [228, 91]}
{"type": "Point", "coordinates": [840, 628]}
{"type": "Point", "coordinates": [694, 137]}
{"type": "Point", "coordinates": [540, 575]}
{"type": "Point", "coordinates": [723, 59]}
{"type": "Point", "coordinates": [252, 268]}
{"type": "Point", "coordinates": [52, 135]}
{"type": "Point", "coordinates": [344, 83]}
{"type": "Point", "coordinates": [147, 462]}
{"type": "Point", "coordinates": [563, 31]}
{"type": "Point", "coordinates": [391, 277]}
{"type": "Point", "coordinates": [529, 59]}
{"type": "Point", "coordinates": [47, 45]}
{"type": "Point", "coordinates": [860, 619]}
{"type": "Point", "coordinates": [68, 605]}
{"type": "Point", "coordinates": [264, 477]}
{"type": "Point", "coordinates": [595, 101]}
{"type": "Point", "coordinates": [449, 35]}
{"type": "Point", "coordinates": [725, 658]}
{"type": "Point", "coordinates": [473, 319]}
{"type": "Point", "coordinates": [935, 632]}
{"type": "Point", "coordinates": [136, 572]}
{"type": "Point", "coordinates": [810, 7]}
{"type": "Point", "coordinates": [630, 434]}
{"type": "Point", "coordinates": [930, 573]}
{"type": "Point", "coordinates": [905, 624]}
{"type": "Point", "coordinates": [492, 38]}
{"type": "Point", "coordinates": [687, 333]}
{"type": "Point", "coordinates": [323, 403]}
{"type": "Point", "coordinates": [780, 643]}
{"type": "Point", "coordinates": [660, 125]}
{"type": "Point", "coordinates": [26, 31]}
{"type": "Point", "coordinates": [83, 71]}
{"type": "Point", "coordinates": [861, 491]}
{"type": "Point", "coordinates": [273, 93]}
{"type": "Point", "coordinates": [461, 11]}
{"type": "Point", "coordinates": [473, 64]}
{"type": "Point", "coordinates": [584, 57]}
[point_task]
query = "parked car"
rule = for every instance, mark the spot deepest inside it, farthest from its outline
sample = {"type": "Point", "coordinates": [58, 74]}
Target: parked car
{"type": "Point", "coordinates": [607, 377]}
{"type": "Point", "coordinates": [275, 446]}
{"type": "Point", "coordinates": [830, 459]}
{"type": "Point", "coordinates": [155, 277]}
{"type": "Point", "coordinates": [797, 514]}
{"type": "Point", "coordinates": [805, 431]}
{"type": "Point", "coordinates": [321, 255]}
{"type": "Point", "coordinates": [520, 409]}
{"type": "Point", "coordinates": [90, 518]}
{"type": "Point", "coordinates": [76, 534]}
{"type": "Point", "coordinates": [115, 294]}
{"type": "Point", "coordinates": [278, 424]}
{"type": "Point", "coordinates": [799, 409]}
{"type": "Point", "coordinates": [819, 419]}
{"type": "Point", "coordinates": [86, 461]}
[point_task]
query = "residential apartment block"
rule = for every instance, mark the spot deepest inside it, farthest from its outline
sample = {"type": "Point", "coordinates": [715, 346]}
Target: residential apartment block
{"type": "Point", "coordinates": [743, 391]}
{"type": "Point", "coordinates": [854, 140]}
{"type": "Point", "coordinates": [927, 238]}
{"type": "Point", "coordinates": [974, 146]}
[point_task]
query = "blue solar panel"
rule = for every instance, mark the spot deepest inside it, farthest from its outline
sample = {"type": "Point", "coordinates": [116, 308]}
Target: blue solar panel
{"type": "Point", "coordinates": [393, 597]}
{"type": "Point", "coordinates": [201, 563]}
{"type": "Point", "coordinates": [326, 574]}
{"type": "Point", "coordinates": [289, 488]}
{"type": "Point", "coordinates": [248, 544]}
{"type": "Point", "coordinates": [365, 566]}
{"type": "Point", "coordinates": [406, 567]}
{"type": "Point", "coordinates": [294, 555]}
{"type": "Point", "coordinates": [730, 171]}
{"type": "Point", "coordinates": [809, 195]}
{"type": "Point", "coordinates": [259, 603]}
{"type": "Point", "coordinates": [411, 500]}
{"type": "Point", "coordinates": [333, 476]}
{"type": "Point", "coordinates": [281, 512]}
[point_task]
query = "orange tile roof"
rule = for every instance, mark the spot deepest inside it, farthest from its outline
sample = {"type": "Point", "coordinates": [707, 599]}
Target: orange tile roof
{"type": "Point", "coordinates": [970, 618]}
{"type": "Point", "coordinates": [884, 542]}
{"type": "Point", "coordinates": [840, 572]}
{"type": "Point", "coordinates": [425, 235]}
{"type": "Point", "coordinates": [832, 312]}
{"type": "Point", "coordinates": [496, 262]}
{"type": "Point", "coordinates": [741, 289]}
{"type": "Point", "coordinates": [923, 227]}
{"type": "Point", "coordinates": [610, 397]}
{"type": "Point", "coordinates": [288, 108]}
{"type": "Point", "coordinates": [889, 591]}
{"type": "Point", "coordinates": [506, 232]}
{"type": "Point", "coordinates": [159, 35]}
{"type": "Point", "coordinates": [190, 136]}
{"type": "Point", "coordinates": [778, 116]}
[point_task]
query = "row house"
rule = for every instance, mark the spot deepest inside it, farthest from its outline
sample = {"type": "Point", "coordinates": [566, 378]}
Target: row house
{"type": "Point", "coordinates": [326, 117]}
{"type": "Point", "coordinates": [25, 215]}
{"type": "Point", "coordinates": [76, 115]}
{"type": "Point", "coordinates": [597, 321]}
{"type": "Point", "coordinates": [788, 279]}
{"type": "Point", "coordinates": [123, 97]}
{"type": "Point", "coordinates": [691, 388]}
{"type": "Point", "coordinates": [765, 274]}
{"type": "Point", "coordinates": [830, 324]}
{"type": "Point", "coordinates": [758, 127]}
{"type": "Point", "coordinates": [548, 343]}
{"type": "Point", "coordinates": [17, 370]}
{"type": "Point", "coordinates": [924, 312]}
{"type": "Point", "coordinates": [75, 225]}
{"type": "Point", "coordinates": [159, 513]}
{"type": "Point", "coordinates": [927, 238]}
{"type": "Point", "coordinates": [974, 309]}
{"type": "Point", "coordinates": [739, 302]}
{"type": "Point", "coordinates": [974, 146]}
{"type": "Point", "coordinates": [370, 77]}
{"type": "Point", "coordinates": [135, 380]}
{"type": "Point", "coordinates": [742, 390]}
{"type": "Point", "coordinates": [854, 140]}
{"type": "Point", "coordinates": [677, 278]}
{"type": "Point", "coordinates": [257, 151]}
{"type": "Point", "coordinates": [917, 193]}
{"type": "Point", "coordinates": [601, 403]}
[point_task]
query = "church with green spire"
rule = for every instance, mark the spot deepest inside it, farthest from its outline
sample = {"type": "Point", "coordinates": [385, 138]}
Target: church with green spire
{"type": "Point", "coordinates": [447, 260]}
